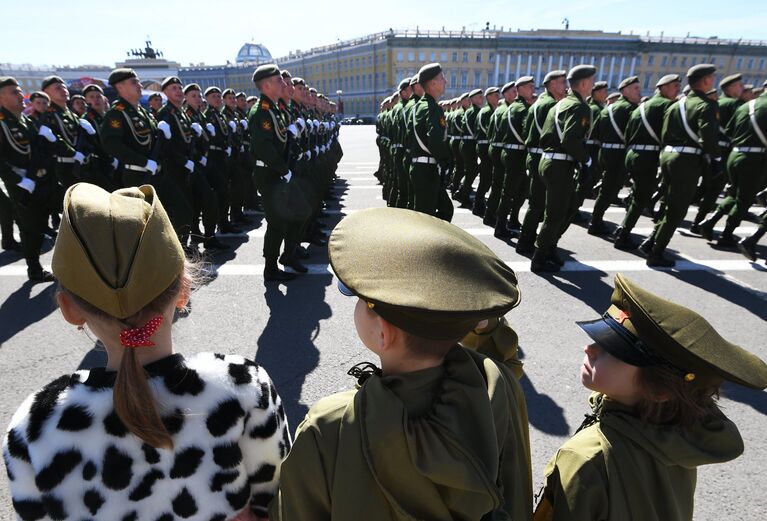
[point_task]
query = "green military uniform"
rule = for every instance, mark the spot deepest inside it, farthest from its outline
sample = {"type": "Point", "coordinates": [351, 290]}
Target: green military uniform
{"type": "Point", "coordinates": [236, 167]}
{"type": "Point", "coordinates": [68, 161]}
{"type": "Point", "coordinates": [407, 116]}
{"type": "Point", "coordinates": [448, 441]}
{"type": "Point", "coordinates": [495, 137]}
{"type": "Point", "coordinates": [430, 156]}
{"type": "Point", "coordinates": [219, 151]}
{"type": "Point", "coordinates": [33, 190]}
{"type": "Point", "coordinates": [563, 143]}
{"type": "Point", "coordinates": [611, 132]}
{"type": "Point", "coordinates": [483, 153]}
{"type": "Point", "coordinates": [470, 130]}
{"type": "Point", "coordinates": [619, 467]}
{"type": "Point", "coordinates": [588, 177]}
{"type": "Point", "coordinates": [457, 136]}
{"type": "Point", "coordinates": [99, 168]}
{"type": "Point", "coordinates": [643, 133]}
{"type": "Point", "coordinates": [536, 117]}
{"type": "Point", "coordinates": [682, 160]}
{"type": "Point", "coordinates": [127, 134]}
{"type": "Point", "coordinates": [398, 196]}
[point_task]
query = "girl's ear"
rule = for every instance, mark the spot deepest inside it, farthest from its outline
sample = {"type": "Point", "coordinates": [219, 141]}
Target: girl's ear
{"type": "Point", "coordinates": [388, 334]}
{"type": "Point", "coordinates": [69, 309]}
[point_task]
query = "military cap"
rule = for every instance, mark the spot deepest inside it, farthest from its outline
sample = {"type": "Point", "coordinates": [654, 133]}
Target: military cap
{"type": "Point", "coordinates": [463, 96]}
{"type": "Point", "coordinates": [553, 75]}
{"type": "Point", "coordinates": [211, 90]}
{"type": "Point", "coordinates": [475, 92]}
{"type": "Point", "coordinates": [429, 72]}
{"type": "Point", "coordinates": [405, 83]}
{"type": "Point", "coordinates": [699, 71]}
{"type": "Point", "coordinates": [191, 87]}
{"type": "Point", "coordinates": [409, 267]}
{"type": "Point", "coordinates": [117, 251]}
{"type": "Point", "coordinates": [668, 78]}
{"type": "Point", "coordinates": [39, 94]}
{"type": "Point", "coordinates": [51, 80]}
{"type": "Point", "coordinates": [628, 81]}
{"type": "Point", "coordinates": [76, 96]}
{"type": "Point", "coordinates": [524, 80]}
{"type": "Point", "coordinates": [686, 90]}
{"type": "Point", "coordinates": [91, 87]}
{"type": "Point", "coordinates": [599, 85]}
{"type": "Point", "coordinates": [508, 86]}
{"type": "Point", "coordinates": [580, 72]}
{"type": "Point", "coordinates": [414, 80]}
{"type": "Point", "coordinates": [170, 80]}
{"type": "Point", "coordinates": [728, 80]}
{"type": "Point", "coordinates": [155, 95]}
{"type": "Point", "coordinates": [227, 92]}
{"type": "Point", "coordinates": [613, 95]}
{"type": "Point", "coordinates": [491, 90]}
{"type": "Point", "coordinates": [8, 81]}
{"type": "Point", "coordinates": [251, 98]}
{"type": "Point", "coordinates": [748, 87]}
{"type": "Point", "coordinates": [285, 73]}
{"type": "Point", "coordinates": [312, 90]}
{"type": "Point", "coordinates": [711, 91]}
{"type": "Point", "coordinates": [643, 329]}
{"type": "Point", "coordinates": [265, 71]}
{"type": "Point", "coordinates": [758, 91]}
{"type": "Point", "coordinates": [764, 85]}
{"type": "Point", "coordinates": [298, 81]}
{"type": "Point", "coordinates": [122, 74]}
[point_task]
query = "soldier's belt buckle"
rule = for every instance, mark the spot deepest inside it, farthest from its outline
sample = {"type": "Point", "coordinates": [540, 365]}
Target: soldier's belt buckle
{"type": "Point", "coordinates": [41, 172]}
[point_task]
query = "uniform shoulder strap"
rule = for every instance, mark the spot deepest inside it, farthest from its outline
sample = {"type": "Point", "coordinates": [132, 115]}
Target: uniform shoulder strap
{"type": "Point", "coordinates": [511, 127]}
{"type": "Point", "coordinates": [752, 117]}
{"type": "Point", "coordinates": [535, 118]}
{"type": "Point", "coordinates": [646, 123]}
{"type": "Point", "coordinates": [685, 124]}
{"type": "Point", "coordinates": [614, 124]}
{"type": "Point", "coordinates": [415, 132]}
{"type": "Point", "coordinates": [557, 108]}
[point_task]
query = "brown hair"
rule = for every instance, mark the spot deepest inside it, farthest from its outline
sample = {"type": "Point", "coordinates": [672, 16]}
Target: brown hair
{"type": "Point", "coordinates": [132, 397]}
{"type": "Point", "coordinates": [427, 346]}
{"type": "Point", "coordinates": [668, 399]}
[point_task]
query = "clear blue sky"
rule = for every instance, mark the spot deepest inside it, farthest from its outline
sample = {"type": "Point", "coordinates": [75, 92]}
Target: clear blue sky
{"type": "Point", "coordinates": [77, 32]}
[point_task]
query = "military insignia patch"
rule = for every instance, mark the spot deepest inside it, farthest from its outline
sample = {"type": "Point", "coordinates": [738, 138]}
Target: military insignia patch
{"type": "Point", "coordinates": [585, 122]}
{"type": "Point", "coordinates": [266, 125]}
{"type": "Point", "coordinates": [442, 122]}
{"type": "Point", "coordinates": [2, 117]}
{"type": "Point", "coordinates": [264, 105]}
{"type": "Point", "coordinates": [119, 106]}
{"type": "Point", "coordinates": [114, 123]}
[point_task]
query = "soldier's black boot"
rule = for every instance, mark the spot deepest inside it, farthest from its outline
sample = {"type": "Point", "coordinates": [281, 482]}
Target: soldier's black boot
{"type": "Point", "coordinates": [36, 273]}
{"type": "Point", "coordinates": [11, 245]}
{"type": "Point", "coordinates": [525, 245]}
{"type": "Point", "coordinates": [291, 261]}
{"type": "Point", "coordinates": [597, 227]}
{"type": "Point", "coordinates": [647, 244]}
{"type": "Point", "coordinates": [623, 240]}
{"type": "Point", "coordinates": [657, 259]}
{"type": "Point", "coordinates": [542, 262]}
{"type": "Point", "coordinates": [747, 246]}
{"type": "Point", "coordinates": [707, 225]}
{"type": "Point", "coordinates": [727, 239]}
{"type": "Point", "coordinates": [555, 258]}
{"type": "Point", "coordinates": [274, 274]}
{"type": "Point", "coordinates": [479, 207]}
{"type": "Point", "coordinates": [501, 231]}
{"type": "Point", "coordinates": [212, 243]}
{"type": "Point", "coordinates": [490, 219]}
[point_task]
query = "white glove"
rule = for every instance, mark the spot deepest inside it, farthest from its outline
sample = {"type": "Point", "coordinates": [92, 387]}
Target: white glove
{"type": "Point", "coordinates": [189, 165]}
{"type": "Point", "coordinates": [115, 163]}
{"type": "Point", "coordinates": [151, 165]}
{"type": "Point", "coordinates": [86, 125]}
{"type": "Point", "coordinates": [308, 154]}
{"type": "Point", "coordinates": [79, 157]}
{"type": "Point", "coordinates": [316, 151]}
{"type": "Point", "coordinates": [163, 125]}
{"type": "Point", "coordinates": [242, 148]}
{"type": "Point", "coordinates": [47, 133]}
{"type": "Point", "coordinates": [300, 156]}
{"type": "Point", "coordinates": [293, 130]}
{"type": "Point", "coordinates": [228, 151]}
{"type": "Point", "coordinates": [27, 184]}
{"type": "Point", "coordinates": [244, 123]}
{"type": "Point", "coordinates": [301, 122]}
{"type": "Point", "coordinates": [211, 129]}
{"type": "Point", "coordinates": [233, 126]}
{"type": "Point", "coordinates": [324, 125]}
{"type": "Point", "coordinates": [197, 128]}
{"type": "Point", "coordinates": [316, 124]}
{"type": "Point", "coordinates": [204, 160]}
{"type": "Point", "coordinates": [588, 163]}
{"type": "Point", "coordinates": [287, 176]}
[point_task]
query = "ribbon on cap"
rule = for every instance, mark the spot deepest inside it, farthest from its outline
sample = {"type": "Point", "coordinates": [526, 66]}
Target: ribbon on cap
{"type": "Point", "coordinates": [139, 336]}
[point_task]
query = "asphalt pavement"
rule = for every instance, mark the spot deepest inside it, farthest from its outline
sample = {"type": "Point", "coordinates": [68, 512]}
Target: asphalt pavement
{"type": "Point", "coordinates": [303, 333]}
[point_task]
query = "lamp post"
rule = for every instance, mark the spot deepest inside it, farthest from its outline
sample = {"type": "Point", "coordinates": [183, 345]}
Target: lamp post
{"type": "Point", "coordinates": [340, 103]}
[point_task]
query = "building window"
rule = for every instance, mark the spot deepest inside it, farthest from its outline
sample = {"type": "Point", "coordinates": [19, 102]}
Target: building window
{"type": "Point", "coordinates": [490, 58]}
{"type": "Point", "coordinates": [466, 57]}
{"type": "Point", "coordinates": [453, 80]}
{"type": "Point", "coordinates": [434, 56]}
{"type": "Point", "coordinates": [694, 60]}
{"type": "Point", "coordinates": [740, 63]}
{"type": "Point", "coordinates": [400, 57]}
{"type": "Point", "coordinates": [750, 63]}
{"type": "Point", "coordinates": [684, 61]}
{"type": "Point", "coordinates": [464, 79]}
{"type": "Point", "coordinates": [650, 59]}
{"type": "Point", "coordinates": [383, 59]}
{"type": "Point", "coordinates": [455, 56]}
{"type": "Point", "coordinates": [477, 79]}
{"type": "Point", "coordinates": [443, 57]}
{"type": "Point", "coordinates": [713, 60]}
{"type": "Point", "coordinates": [761, 64]}
{"type": "Point", "coordinates": [646, 82]}
{"type": "Point", "coordinates": [410, 56]}
{"type": "Point", "coordinates": [422, 56]}
{"type": "Point", "coordinates": [664, 61]}
{"type": "Point", "coordinates": [491, 79]}
{"type": "Point", "coordinates": [479, 57]}
{"type": "Point", "coordinates": [673, 61]}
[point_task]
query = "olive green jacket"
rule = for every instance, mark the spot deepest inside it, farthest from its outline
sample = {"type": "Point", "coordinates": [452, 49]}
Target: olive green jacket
{"type": "Point", "coordinates": [702, 116]}
{"type": "Point", "coordinates": [571, 116]}
{"type": "Point", "coordinates": [444, 443]}
{"type": "Point", "coordinates": [621, 469]}
{"type": "Point", "coordinates": [431, 129]}
{"type": "Point", "coordinates": [268, 136]}
{"type": "Point", "coordinates": [536, 117]}
{"type": "Point", "coordinates": [127, 133]}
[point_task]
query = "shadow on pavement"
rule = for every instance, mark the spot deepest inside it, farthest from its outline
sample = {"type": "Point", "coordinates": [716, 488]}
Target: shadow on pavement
{"type": "Point", "coordinates": [751, 300]}
{"type": "Point", "coordinates": [21, 310]}
{"type": "Point", "coordinates": [756, 399]}
{"type": "Point", "coordinates": [586, 286]}
{"type": "Point", "coordinates": [543, 413]}
{"type": "Point", "coordinates": [286, 347]}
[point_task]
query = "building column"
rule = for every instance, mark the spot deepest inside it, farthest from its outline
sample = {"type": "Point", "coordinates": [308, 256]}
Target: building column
{"type": "Point", "coordinates": [551, 62]}
{"type": "Point", "coordinates": [519, 65]}
{"type": "Point", "coordinates": [610, 73]}
{"type": "Point", "coordinates": [572, 59]}
{"type": "Point", "coordinates": [497, 67]}
{"type": "Point", "coordinates": [508, 73]}
{"type": "Point", "coordinates": [561, 58]}
{"type": "Point", "coordinates": [538, 70]}
{"type": "Point", "coordinates": [529, 63]}
{"type": "Point", "coordinates": [623, 64]}
{"type": "Point", "coordinates": [602, 68]}
{"type": "Point", "coordinates": [633, 65]}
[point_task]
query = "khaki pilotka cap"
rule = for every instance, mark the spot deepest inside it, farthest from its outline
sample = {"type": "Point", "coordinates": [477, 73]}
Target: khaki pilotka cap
{"type": "Point", "coordinates": [421, 274]}
{"type": "Point", "coordinates": [117, 251]}
{"type": "Point", "coordinates": [643, 329]}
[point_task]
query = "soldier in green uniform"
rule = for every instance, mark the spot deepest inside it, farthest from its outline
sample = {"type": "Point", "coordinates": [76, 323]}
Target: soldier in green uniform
{"type": "Point", "coordinates": [100, 168]}
{"type": "Point", "coordinates": [268, 144]}
{"type": "Point", "coordinates": [407, 116]}
{"type": "Point", "coordinates": [514, 153]}
{"type": "Point", "coordinates": [746, 166]}
{"type": "Point", "coordinates": [492, 95]}
{"type": "Point", "coordinates": [155, 103]}
{"type": "Point", "coordinates": [78, 105]}
{"type": "Point", "coordinates": [655, 368]}
{"type": "Point", "coordinates": [457, 132]}
{"type": "Point", "coordinates": [588, 177]}
{"type": "Point", "coordinates": [563, 143]}
{"type": "Point", "coordinates": [128, 132]}
{"type": "Point", "coordinates": [66, 127]}
{"type": "Point", "coordinates": [219, 152]}
{"type": "Point", "coordinates": [236, 167]}
{"type": "Point", "coordinates": [429, 148]}
{"type": "Point", "coordinates": [32, 189]}
{"type": "Point", "coordinates": [497, 130]}
{"type": "Point", "coordinates": [747, 245]}
{"type": "Point", "coordinates": [250, 194]}
{"type": "Point", "coordinates": [713, 183]}
{"type": "Point", "coordinates": [439, 431]}
{"type": "Point", "coordinates": [556, 89]}
{"type": "Point", "coordinates": [611, 132]}
{"type": "Point", "coordinates": [690, 130]}
{"type": "Point", "coordinates": [643, 140]}
{"type": "Point", "coordinates": [398, 195]}
{"type": "Point", "coordinates": [470, 130]}
{"type": "Point", "coordinates": [381, 143]}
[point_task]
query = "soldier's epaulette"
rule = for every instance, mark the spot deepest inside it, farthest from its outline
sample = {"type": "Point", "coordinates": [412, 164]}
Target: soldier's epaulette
{"type": "Point", "coordinates": [2, 116]}
{"type": "Point", "coordinates": [119, 106]}
{"type": "Point", "coordinates": [264, 105]}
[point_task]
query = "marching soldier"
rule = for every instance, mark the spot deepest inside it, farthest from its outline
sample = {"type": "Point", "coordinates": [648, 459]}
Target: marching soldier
{"type": "Point", "coordinates": [235, 164]}
{"type": "Point", "coordinates": [469, 146]}
{"type": "Point", "coordinates": [100, 168]}
{"type": "Point", "coordinates": [78, 105]}
{"type": "Point", "coordinates": [416, 94]}
{"type": "Point", "coordinates": [32, 189]}
{"type": "Point", "coordinates": [611, 132]}
{"type": "Point", "coordinates": [398, 196]}
{"type": "Point", "coordinates": [497, 134]}
{"type": "Point", "coordinates": [250, 195]}
{"type": "Point", "coordinates": [588, 177]}
{"type": "Point", "coordinates": [643, 139]}
{"type": "Point", "coordinates": [155, 103]}
{"type": "Point", "coordinates": [457, 120]}
{"type": "Point", "coordinates": [556, 89]}
{"type": "Point", "coordinates": [690, 130]}
{"type": "Point", "coordinates": [492, 95]}
{"type": "Point", "coordinates": [429, 149]}
{"type": "Point", "coordinates": [66, 127]}
{"type": "Point", "coordinates": [563, 143]}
